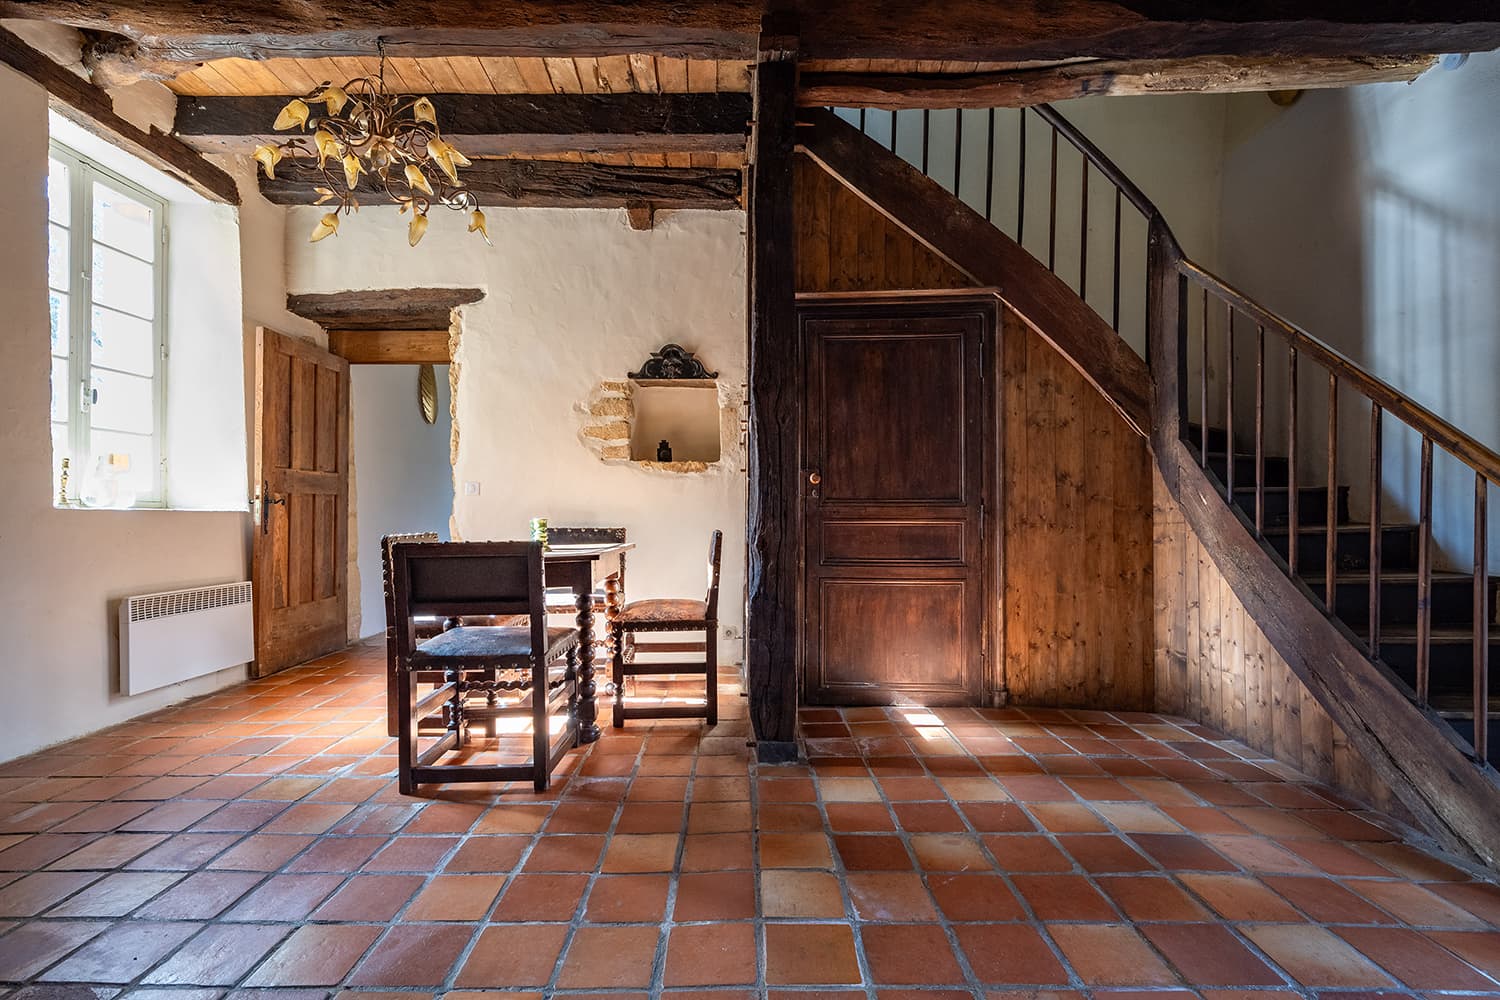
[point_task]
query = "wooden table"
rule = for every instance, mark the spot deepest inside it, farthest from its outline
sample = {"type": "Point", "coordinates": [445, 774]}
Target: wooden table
{"type": "Point", "coordinates": [583, 569]}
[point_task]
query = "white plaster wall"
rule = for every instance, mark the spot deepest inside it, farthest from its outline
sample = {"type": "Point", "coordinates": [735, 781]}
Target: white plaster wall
{"type": "Point", "coordinates": [1371, 217]}
{"type": "Point", "coordinates": [64, 570]}
{"type": "Point", "coordinates": [572, 297]}
{"type": "Point", "coordinates": [401, 472]}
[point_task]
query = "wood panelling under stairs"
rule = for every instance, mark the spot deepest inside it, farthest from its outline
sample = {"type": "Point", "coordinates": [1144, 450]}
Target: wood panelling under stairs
{"type": "Point", "coordinates": [1075, 504]}
{"type": "Point", "coordinates": [1077, 524]}
{"type": "Point", "coordinates": [1215, 665]}
{"type": "Point", "coordinates": [846, 245]}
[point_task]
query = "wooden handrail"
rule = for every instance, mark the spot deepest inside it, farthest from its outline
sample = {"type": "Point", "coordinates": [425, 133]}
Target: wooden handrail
{"type": "Point", "coordinates": [1462, 446]}
{"type": "Point", "coordinates": [1096, 156]}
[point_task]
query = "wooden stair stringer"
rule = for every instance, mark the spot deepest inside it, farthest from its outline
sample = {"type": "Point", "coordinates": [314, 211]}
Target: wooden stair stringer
{"type": "Point", "coordinates": [973, 245]}
{"type": "Point", "coordinates": [1410, 748]}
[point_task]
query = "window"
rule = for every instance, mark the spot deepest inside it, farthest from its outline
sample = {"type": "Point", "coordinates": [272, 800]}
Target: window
{"type": "Point", "coordinates": [106, 250]}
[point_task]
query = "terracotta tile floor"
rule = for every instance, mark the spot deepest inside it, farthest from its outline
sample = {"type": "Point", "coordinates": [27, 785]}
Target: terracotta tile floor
{"type": "Point", "coordinates": [252, 843]}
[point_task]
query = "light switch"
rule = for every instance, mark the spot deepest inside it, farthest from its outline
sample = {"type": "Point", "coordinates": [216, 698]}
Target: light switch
{"type": "Point", "coordinates": [471, 489]}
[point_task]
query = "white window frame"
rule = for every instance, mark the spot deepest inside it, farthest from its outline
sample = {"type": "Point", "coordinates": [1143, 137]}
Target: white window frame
{"type": "Point", "coordinates": [83, 175]}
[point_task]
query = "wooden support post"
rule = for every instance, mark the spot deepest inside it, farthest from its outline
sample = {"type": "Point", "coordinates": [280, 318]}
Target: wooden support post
{"type": "Point", "coordinates": [640, 215]}
{"type": "Point", "coordinates": [771, 622]}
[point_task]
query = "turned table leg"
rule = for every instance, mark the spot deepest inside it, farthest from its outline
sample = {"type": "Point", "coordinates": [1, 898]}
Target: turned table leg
{"type": "Point", "coordinates": [588, 708]}
{"type": "Point", "coordinates": [613, 600]}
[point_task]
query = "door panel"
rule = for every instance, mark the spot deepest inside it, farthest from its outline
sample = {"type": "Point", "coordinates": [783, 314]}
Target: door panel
{"type": "Point", "coordinates": [302, 463]}
{"type": "Point", "coordinates": [893, 475]}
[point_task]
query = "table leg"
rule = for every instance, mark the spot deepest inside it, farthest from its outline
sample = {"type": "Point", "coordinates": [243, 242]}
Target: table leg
{"type": "Point", "coordinates": [613, 601]}
{"type": "Point", "coordinates": [588, 708]}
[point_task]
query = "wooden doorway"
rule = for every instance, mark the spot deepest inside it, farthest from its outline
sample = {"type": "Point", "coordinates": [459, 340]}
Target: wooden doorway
{"type": "Point", "coordinates": [300, 562]}
{"type": "Point", "coordinates": [894, 474]}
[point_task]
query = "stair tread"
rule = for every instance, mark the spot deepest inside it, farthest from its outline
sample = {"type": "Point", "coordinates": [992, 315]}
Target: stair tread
{"type": "Point", "coordinates": [1352, 527]}
{"type": "Point", "coordinates": [1405, 634]}
{"type": "Point", "coordinates": [1395, 576]}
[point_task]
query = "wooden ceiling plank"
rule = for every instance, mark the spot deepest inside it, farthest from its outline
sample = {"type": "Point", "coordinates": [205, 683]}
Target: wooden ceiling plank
{"type": "Point", "coordinates": [534, 72]}
{"type": "Point", "coordinates": [672, 75]}
{"type": "Point", "coordinates": [643, 72]}
{"type": "Point", "coordinates": [504, 76]}
{"type": "Point", "coordinates": [298, 77]}
{"type": "Point", "coordinates": [563, 73]}
{"type": "Point", "coordinates": [733, 76]}
{"type": "Point", "coordinates": [469, 73]}
{"type": "Point", "coordinates": [587, 68]}
{"type": "Point", "coordinates": [443, 76]}
{"type": "Point", "coordinates": [615, 75]}
{"type": "Point", "coordinates": [702, 76]}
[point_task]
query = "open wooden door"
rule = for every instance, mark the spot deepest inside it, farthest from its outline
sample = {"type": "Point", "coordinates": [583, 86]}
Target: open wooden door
{"type": "Point", "coordinates": [300, 565]}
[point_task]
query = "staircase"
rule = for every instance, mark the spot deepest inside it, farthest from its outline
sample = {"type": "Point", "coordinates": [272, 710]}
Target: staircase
{"type": "Point", "coordinates": [1395, 647]}
{"type": "Point", "coordinates": [1450, 601]}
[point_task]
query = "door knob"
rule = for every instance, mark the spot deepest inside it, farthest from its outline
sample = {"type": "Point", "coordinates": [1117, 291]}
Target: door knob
{"type": "Point", "coordinates": [814, 478]}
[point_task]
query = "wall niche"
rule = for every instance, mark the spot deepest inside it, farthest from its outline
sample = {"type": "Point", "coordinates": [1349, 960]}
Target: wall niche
{"type": "Point", "coordinates": [676, 408]}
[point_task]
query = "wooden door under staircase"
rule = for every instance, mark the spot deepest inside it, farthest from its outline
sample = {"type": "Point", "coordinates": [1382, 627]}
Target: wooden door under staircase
{"type": "Point", "coordinates": [893, 497]}
{"type": "Point", "coordinates": [300, 560]}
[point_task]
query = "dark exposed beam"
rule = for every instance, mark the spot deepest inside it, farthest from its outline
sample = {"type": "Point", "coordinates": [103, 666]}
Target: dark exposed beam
{"type": "Point", "coordinates": [965, 30]}
{"type": "Point", "coordinates": [91, 108]}
{"type": "Point", "coordinates": [383, 308]}
{"type": "Point", "coordinates": [499, 124]}
{"type": "Point", "coordinates": [1026, 87]}
{"type": "Point", "coordinates": [550, 183]}
{"type": "Point", "coordinates": [775, 479]}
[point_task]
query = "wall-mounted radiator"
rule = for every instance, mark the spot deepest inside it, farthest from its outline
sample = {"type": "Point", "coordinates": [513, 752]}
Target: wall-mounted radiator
{"type": "Point", "coordinates": [181, 634]}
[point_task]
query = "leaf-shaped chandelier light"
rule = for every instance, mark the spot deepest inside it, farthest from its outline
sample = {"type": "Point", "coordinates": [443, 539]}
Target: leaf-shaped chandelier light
{"type": "Point", "coordinates": [391, 140]}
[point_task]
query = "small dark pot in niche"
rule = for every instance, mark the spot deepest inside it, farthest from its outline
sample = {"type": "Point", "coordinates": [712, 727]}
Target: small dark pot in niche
{"type": "Point", "coordinates": [664, 450]}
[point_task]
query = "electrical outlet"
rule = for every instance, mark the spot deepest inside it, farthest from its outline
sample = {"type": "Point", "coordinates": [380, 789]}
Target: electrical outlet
{"type": "Point", "coordinates": [730, 632]}
{"type": "Point", "coordinates": [471, 489]}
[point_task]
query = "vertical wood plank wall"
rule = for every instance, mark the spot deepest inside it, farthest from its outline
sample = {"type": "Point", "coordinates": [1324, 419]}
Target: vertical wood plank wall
{"type": "Point", "coordinates": [1213, 665]}
{"type": "Point", "coordinates": [1077, 524]}
{"type": "Point", "coordinates": [1076, 505]}
{"type": "Point", "coordinates": [844, 245]}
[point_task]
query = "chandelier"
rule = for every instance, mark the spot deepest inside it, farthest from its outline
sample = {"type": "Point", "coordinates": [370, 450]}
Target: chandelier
{"type": "Point", "coordinates": [391, 140]}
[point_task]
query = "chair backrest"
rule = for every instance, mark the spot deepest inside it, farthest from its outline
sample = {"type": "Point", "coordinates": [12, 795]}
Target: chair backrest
{"type": "Point", "coordinates": [585, 536]}
{"type": "Point", "coordinates": [459, 579]}
{"type": "Point", "coordinates": [715, 550]}
{"type": "Point", "coordinates": [387, 584]}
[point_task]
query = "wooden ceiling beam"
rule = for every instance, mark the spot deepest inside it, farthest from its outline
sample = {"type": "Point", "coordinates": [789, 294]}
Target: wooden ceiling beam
{"type": "Point", "coordinates": [503, 124]}
{"type": "Point", "coordinates": [78, 100]}
{"type": "Point", "coordinates": [552, 184]}
{"type": "Point", "coordinates": [1027, 87]}
{"type": "Point", "coordinates": [960, 30]}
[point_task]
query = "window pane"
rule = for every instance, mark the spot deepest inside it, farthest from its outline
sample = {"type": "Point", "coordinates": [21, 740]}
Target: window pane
{"type": "Point", "coordinates": [123, 223]}
{"type": "Point", "coordinates": [58, 205]}
{"type": "Point", "coordinates": [123, 283]}
{"type": "Point", "coordinates": [136, 470]}
{"type": "Point", "coordinates": [61, 390]}
{"type": "Point", "coordinates": [124, 403]}
{"type": "Point", "coordinates": [123, 342]}
{"type": "Point", "coordinates": [57, 306]}
{"type": "Point", "coordinates": [57, 258]}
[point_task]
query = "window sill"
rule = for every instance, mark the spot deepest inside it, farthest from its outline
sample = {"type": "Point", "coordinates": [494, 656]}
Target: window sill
{"type": "Point", "coordinates": [145, 508]}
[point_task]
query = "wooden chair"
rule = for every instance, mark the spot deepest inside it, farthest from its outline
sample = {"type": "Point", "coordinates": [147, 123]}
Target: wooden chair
{"type": "Point", "coordinates": [426, 629]}
{"type": "Point", "coordinates": [670, 616]}
{"type": "Point", "coordinates": [460, 580]}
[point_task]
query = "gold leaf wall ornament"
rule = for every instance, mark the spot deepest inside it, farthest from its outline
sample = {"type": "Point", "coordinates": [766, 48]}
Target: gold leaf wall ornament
{"type": "Point", "coordinates": [427, 393]}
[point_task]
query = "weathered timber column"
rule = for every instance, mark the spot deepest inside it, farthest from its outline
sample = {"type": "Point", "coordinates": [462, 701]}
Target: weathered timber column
{"type": "Point", "coordinates": [770, 616]}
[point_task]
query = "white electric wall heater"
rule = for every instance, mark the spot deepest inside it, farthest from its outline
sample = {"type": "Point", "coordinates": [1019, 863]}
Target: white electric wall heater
{"type": "Point", "coordinates": [181, 634]}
